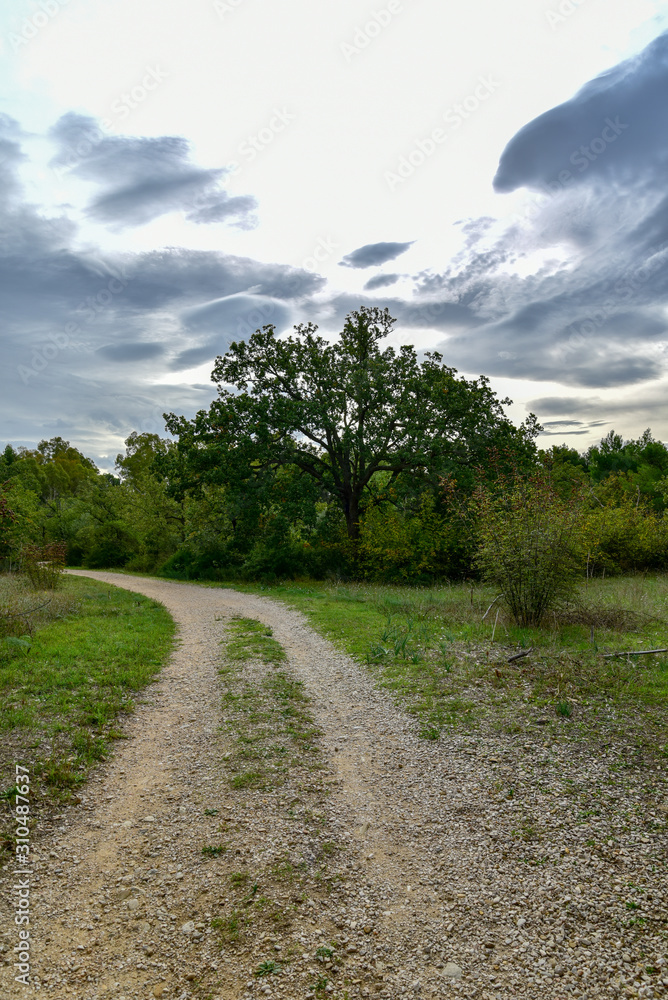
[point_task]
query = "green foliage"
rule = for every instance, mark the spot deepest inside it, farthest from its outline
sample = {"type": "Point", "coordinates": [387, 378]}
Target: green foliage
{"type": "Point", "coordinates": [340, 413]}
{"type": "Point", "coordinates": [530, 544]}
{"type": "Point", "coordinates": [623, 532]}
{"type": "Point", "coordinates": [415, 545]}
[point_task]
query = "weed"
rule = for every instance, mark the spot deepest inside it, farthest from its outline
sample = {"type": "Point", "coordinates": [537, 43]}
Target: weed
{"type": "Point", "coordinates": [229, 926]}
{"type": "Point", "coordinates": [564, 709]}
{"type": "Point", "coordinates": [248, 779]}
{"type": "Point", "coordinates": [267, 968]}
{"type": "Point", "coordinates": [213, 851]}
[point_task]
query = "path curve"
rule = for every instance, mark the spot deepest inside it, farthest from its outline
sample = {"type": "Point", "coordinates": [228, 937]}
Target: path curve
{"type": "Point", "coordinates": [450, 914]}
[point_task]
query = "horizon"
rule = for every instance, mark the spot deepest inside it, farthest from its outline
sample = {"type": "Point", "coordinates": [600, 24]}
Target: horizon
{"type": "Point", "coordinates": [173, 181]}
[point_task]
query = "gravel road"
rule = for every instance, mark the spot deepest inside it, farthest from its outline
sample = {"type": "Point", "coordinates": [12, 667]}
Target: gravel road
{"type": "Point", "coordinates": [466, 866]}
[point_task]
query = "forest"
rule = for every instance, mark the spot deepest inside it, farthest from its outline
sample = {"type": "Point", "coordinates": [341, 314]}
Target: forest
{"type": "Point", "coordinates": [337, 459]}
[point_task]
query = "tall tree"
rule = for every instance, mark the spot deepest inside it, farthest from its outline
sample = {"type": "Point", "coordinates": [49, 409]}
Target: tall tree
{"type": "Point", "coordinates": [343, 412]}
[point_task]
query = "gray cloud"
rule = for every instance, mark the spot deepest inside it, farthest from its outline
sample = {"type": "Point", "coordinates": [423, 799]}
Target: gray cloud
{"type": "Point", "coordinates": [144, 178]}
{"type": "Point", "coordinates": [381, 281]}
{"type": "Point", "coordinates": [130, 351]}
{"type": "Point", "coordinates": [373, 254]}
{"type": "Point", "coordinates": [86, 338]}
{"type": "Point", "coordinates": [614, 129]}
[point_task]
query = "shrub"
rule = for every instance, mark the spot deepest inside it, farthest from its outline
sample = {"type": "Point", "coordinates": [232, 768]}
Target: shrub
{"type": "Point", "coordinates": [624, 536]}
{"type": "Point", "coordinates": [530, 543]}
{"type": "Point", "coordinates": [43, 564]}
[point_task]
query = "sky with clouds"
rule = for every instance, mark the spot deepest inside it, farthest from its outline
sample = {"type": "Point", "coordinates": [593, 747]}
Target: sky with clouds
{"type": "Point", "coordinates": [175, 175]}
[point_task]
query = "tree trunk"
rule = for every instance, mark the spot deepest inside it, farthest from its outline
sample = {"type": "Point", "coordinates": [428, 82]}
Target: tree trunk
{"type": "Point", "coordinates": [351, 509]}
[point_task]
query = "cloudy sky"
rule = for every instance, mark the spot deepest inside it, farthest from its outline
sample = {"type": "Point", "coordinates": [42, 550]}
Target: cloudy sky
{"type": "Point", "coordinates": [175, 174]}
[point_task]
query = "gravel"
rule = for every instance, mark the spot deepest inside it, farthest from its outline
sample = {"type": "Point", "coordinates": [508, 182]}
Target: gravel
{"type": "Point", "coordinates": [478, 865]}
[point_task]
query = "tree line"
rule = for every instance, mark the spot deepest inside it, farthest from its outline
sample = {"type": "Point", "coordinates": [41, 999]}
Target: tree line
{"type": "Point", "coordinates": [333, 458]}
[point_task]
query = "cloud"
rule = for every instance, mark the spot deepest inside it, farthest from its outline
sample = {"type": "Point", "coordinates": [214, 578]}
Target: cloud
{"type": "Point", "coordinates": [130, 351]}
{"type": "Point", "coordinates": [374, 254]}
{"type": "Point", "coordinates": [91, 340]}
{"type": "Point", "coordinates": [633, 410]}
{"type": "Point", "coordinates": [144, 178]}
{"type": "Point", "coordinates": [381, 281]}
{"type": "Point", "coordinates": [216, 324]}
{"type": "Point", "coordinates": [615, 129]}
{"type": "Point", "coordinates": [574, 288]}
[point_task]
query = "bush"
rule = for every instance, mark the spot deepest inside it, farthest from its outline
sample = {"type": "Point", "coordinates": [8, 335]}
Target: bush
{"type": "Point", "coordinates": [624, 536]}
{"type": "Point", "coordinates": [530, 543]}
{"type": "Point", "coordinates": [44, 564]}
{"type": "Point", "coordinates": [411, 548]}
{"type": "Point", "coordinates": [106, 555]}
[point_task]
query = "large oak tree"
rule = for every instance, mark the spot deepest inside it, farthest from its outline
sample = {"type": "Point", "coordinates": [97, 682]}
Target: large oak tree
{"type": "Point", "coordinates": [343, 411]}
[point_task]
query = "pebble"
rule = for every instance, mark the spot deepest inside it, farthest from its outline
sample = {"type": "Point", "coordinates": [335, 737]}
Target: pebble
{"type": "Point", "coordinates": [521, 895]}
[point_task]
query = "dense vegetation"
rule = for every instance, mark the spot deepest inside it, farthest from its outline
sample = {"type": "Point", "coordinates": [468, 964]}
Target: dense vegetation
{"type": "Point", "coordinates": [341, 460]}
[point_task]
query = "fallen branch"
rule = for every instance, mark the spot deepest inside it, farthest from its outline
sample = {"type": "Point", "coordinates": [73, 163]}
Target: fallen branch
{"type": "Point", "coordinates": [634, 652]}
{"type": "Point", "coordinates": [24, 614]}
{"type": "Point", "coordinates": [518, 656]}
{"type": "Point", "coordinates": [491, 606]}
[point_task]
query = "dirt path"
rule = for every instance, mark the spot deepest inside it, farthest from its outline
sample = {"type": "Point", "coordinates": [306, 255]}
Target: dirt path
{"type": "Point", "coordinates": [439, 883]}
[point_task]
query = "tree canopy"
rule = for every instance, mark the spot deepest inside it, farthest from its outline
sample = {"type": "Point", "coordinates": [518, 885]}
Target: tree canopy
{"type": "Point", "coordinates": [348, 411]}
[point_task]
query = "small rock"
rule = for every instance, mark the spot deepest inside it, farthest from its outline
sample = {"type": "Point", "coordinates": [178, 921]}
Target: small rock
{"type": "Point", "coordinates": [159, 989]}
{"type": "Point", "coordinates": [149, 819]}
{"type": "Point", "coordinates": [188, 927]}
{"type": "Point", "coordinates": [122, 894]}
{"type": "Point", "coordinates": [452, 971]}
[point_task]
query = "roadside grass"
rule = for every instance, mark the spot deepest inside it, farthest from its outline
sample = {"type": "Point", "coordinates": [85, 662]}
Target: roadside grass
{"type": "Point", "coordinates": [66, 687]}
{"type": "Point", "coordinates": [447, 664]}
{"type": "Point", "coordinates": [273, 768]}
{"type": "Point", "coordinates": [270, 723]}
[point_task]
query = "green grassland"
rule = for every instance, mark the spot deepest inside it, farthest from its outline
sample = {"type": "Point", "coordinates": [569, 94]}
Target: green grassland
{"type": "Point", "coordinates": [446, 661]}
{"type": "Point", "coordinates": [69, 672]}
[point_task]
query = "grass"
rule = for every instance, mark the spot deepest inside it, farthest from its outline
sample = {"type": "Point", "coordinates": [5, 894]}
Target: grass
{"type": "Point", "coordinates": [448, 667]}
{"type": "Point", "coordinates": [88, 653]}
{"type": "Point", "coordinates": [270, 721]}
{"type": "Point", "coordinates": [273, 768]}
